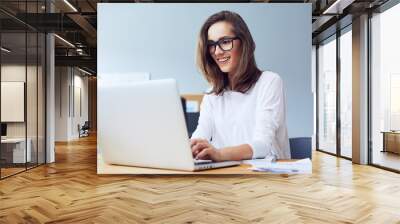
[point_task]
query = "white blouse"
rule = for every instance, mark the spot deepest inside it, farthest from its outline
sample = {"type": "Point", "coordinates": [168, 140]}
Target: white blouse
{"type": "Point", "coordinates": [257, 118]}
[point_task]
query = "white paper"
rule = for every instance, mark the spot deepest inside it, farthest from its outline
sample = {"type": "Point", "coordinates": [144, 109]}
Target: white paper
{"type": "Point", "coordinates": [303, 166]}
{"type": "Point", "coordinates": [260, 162]}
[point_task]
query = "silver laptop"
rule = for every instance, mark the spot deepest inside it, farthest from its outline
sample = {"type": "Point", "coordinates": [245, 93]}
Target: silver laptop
{"type": "Point", "coordinates": [142, 124]}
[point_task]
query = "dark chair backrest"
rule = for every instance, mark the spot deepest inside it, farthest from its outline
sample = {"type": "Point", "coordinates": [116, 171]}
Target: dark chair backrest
{"type": "Point", "coordinates": [192, 121]}
{"type": "Point", "coordinates": [191, 118]}
{"type": "Point", "coordinates": [183, 101]}
{"type": "Point", "coordinates": [300, 148]}
{"type": "Point", "coordinates": [86, 125]}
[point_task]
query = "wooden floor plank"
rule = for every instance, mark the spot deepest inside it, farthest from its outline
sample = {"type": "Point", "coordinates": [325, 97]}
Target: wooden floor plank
{"type": "Point", "coordinates": [70, 191]}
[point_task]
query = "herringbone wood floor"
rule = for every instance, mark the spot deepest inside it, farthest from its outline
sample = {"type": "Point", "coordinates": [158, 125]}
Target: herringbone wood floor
{"type": "Point", "coordinates": [69, 191]}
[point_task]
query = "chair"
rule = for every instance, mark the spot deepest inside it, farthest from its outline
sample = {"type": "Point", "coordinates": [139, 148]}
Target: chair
{"type": "Point", "coordinates": [183, 101]}
{"type": "Point", "coordinates": [191, 118]}
{"type": "Point", "coordinates": [84, 130]}
{"type": "Point", "coordinates": [192, 121]}
{"type": "Point", "coordinates": [300, 148]}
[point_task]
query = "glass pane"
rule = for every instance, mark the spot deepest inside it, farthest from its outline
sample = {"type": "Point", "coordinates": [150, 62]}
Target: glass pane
{"type": "Point", "coordinates": [41, 98]}
{"type": "Point", "coordinates": [13, 85]}
{"type": "Point", "coordinates": [327, 96]}
{"type": "Point", "coordinates": [31, 84]}
{"type": "Point", "coordinates": [31, 101]}
{"type": "Point", "coordinates": [386, 89]}
{"type": "Point", "coordinates": [346, 93]}
{"type": "Point", "coordinates": [22, 74]}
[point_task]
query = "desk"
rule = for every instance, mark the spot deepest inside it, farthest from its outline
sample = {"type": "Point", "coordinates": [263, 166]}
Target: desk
{"type": "Point", "coordinates": [391, 141]}
{"type": "Point", "coordinates": [17, 151]}
{"type": "Point", "coordinates": [106, 169]}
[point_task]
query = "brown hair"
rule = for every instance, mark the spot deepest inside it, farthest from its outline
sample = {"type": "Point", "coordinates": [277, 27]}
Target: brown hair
{"type": "Point", "coordinates": [247, 72]}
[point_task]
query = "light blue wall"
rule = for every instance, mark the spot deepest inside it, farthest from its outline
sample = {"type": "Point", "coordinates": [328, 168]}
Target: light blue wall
{"type": "Point", "coordinates": [161, 39]}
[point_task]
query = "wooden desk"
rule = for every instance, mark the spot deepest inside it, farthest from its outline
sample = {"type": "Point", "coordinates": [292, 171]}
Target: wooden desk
{"type": "Point", "coordinates": [106, 169]}
{"type": "Point", "coordinates": [193, 97]}
{"type": "Point", "coordinates": [391, 141]}
{"type": "Point", "coordinates": [17, 151]}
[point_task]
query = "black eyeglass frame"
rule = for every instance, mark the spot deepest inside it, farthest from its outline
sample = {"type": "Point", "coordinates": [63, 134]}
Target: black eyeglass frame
{"type": "Point", "coordinates": [219, 42]}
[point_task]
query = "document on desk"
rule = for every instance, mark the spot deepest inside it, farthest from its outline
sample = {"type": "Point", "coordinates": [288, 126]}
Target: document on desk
{"type": "Point", "coordinates": [260, 162]}
{"type": "Point", "coordinates": [303, 166]}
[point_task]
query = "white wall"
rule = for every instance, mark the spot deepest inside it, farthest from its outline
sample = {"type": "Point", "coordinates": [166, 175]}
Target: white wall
{"type": "Point", "coordinates": [80, 110]}
{"type": "Point", "coordinates": [69, 84]}
{"type": "Point", "coordinates": [12, 73]}
{"type": "Point", "coordinates": [15, 72]}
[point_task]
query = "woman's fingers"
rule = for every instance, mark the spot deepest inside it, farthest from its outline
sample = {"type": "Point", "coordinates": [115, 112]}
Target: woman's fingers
{"type": "Point", "coordinates": [202, 149]}
{"type": "Point", "coordinates": [199, 147]}
{"type": "Point", "coordinates": [210, 153]}
{"type": "Point", "coordinates": [197, 144]}
{"type": "Point", "coordinates": [196, 141]}
{"type": "Point", "coordinates": [204, 154]}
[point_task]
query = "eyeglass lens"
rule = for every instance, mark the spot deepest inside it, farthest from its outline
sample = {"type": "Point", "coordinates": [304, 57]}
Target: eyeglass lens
{"type": "Point", "coordinates": [223, 44]}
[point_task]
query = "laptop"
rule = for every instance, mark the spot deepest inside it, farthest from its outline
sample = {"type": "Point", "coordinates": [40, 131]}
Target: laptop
{"type": "Point", "coordinates": [142, 124]}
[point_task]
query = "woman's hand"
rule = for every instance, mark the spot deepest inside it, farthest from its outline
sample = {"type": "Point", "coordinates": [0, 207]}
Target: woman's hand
{"type": "Point", "coordinates": [202, 149]}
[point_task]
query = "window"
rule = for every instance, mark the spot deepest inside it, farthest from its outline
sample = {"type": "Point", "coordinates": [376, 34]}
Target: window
{"type": "Point", "coordinates": [335, 74]}
{"type": "Point", "coordinates": [346, 92]}
{"type": "Point", "coordinates": [385, 89]}
{"type": "Point", "coordinates": [327, 95]}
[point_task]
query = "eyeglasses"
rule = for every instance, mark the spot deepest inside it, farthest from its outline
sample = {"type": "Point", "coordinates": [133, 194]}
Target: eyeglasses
{"type": "Point", "coordinates": [225, 44]}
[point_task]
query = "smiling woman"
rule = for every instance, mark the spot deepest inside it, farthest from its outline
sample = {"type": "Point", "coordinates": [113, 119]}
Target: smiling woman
{"type": "Point", "coordinates": [244, 114]}
{"type": "Point", "coordinates": [226, 46]}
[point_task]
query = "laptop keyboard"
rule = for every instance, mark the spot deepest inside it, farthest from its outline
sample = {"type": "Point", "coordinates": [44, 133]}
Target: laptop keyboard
{"type": "Point", "coordinates": [201, 161]}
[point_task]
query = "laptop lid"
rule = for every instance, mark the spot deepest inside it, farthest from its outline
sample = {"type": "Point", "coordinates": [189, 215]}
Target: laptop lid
{"type": "Point", "coordinates": [142, 124]}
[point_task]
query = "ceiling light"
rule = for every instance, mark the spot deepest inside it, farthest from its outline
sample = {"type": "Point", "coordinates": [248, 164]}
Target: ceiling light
{"type": "Point", "coordinates": [84, 71]}
{"type": "Point", "coordinates": [65, 41]}
{"type": "Point", "coordinates": [5, 50]}
{"type": "Point", "coordinates": [337, 7]}
{"type": "Point", "coordinates": [79, 51]}
{"type": "Point", "coordinates": [70, 5]}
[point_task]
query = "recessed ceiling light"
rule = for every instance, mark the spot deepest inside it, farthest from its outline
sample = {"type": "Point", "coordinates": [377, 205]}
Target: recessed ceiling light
{"type": "Point", "coordinates": [337, 7]}
{"type": "Point", "coordinates": [70, 5]}
{"type": "Point", "coordinates": [5, 50]}
{"type": "Point", "coordinates": [65, 41]}
{"type": "Point", "coordinates": [84, 71]}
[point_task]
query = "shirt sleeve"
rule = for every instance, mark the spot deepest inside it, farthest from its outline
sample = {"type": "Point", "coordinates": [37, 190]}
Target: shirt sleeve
{"type": "Point", "coordinates": [205, 123]}
{"type": "Point", "coordinates": [270, 115]}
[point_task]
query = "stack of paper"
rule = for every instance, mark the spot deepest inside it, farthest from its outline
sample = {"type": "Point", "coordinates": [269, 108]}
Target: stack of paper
{"type": "Point", "coordinates": [256, 162]}
{"type": "Point", "coordinates": [303, 166]}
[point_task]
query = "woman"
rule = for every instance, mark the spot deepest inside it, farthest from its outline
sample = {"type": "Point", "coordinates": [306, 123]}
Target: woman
{"type": "Point", "coordinates": [243, 116]}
